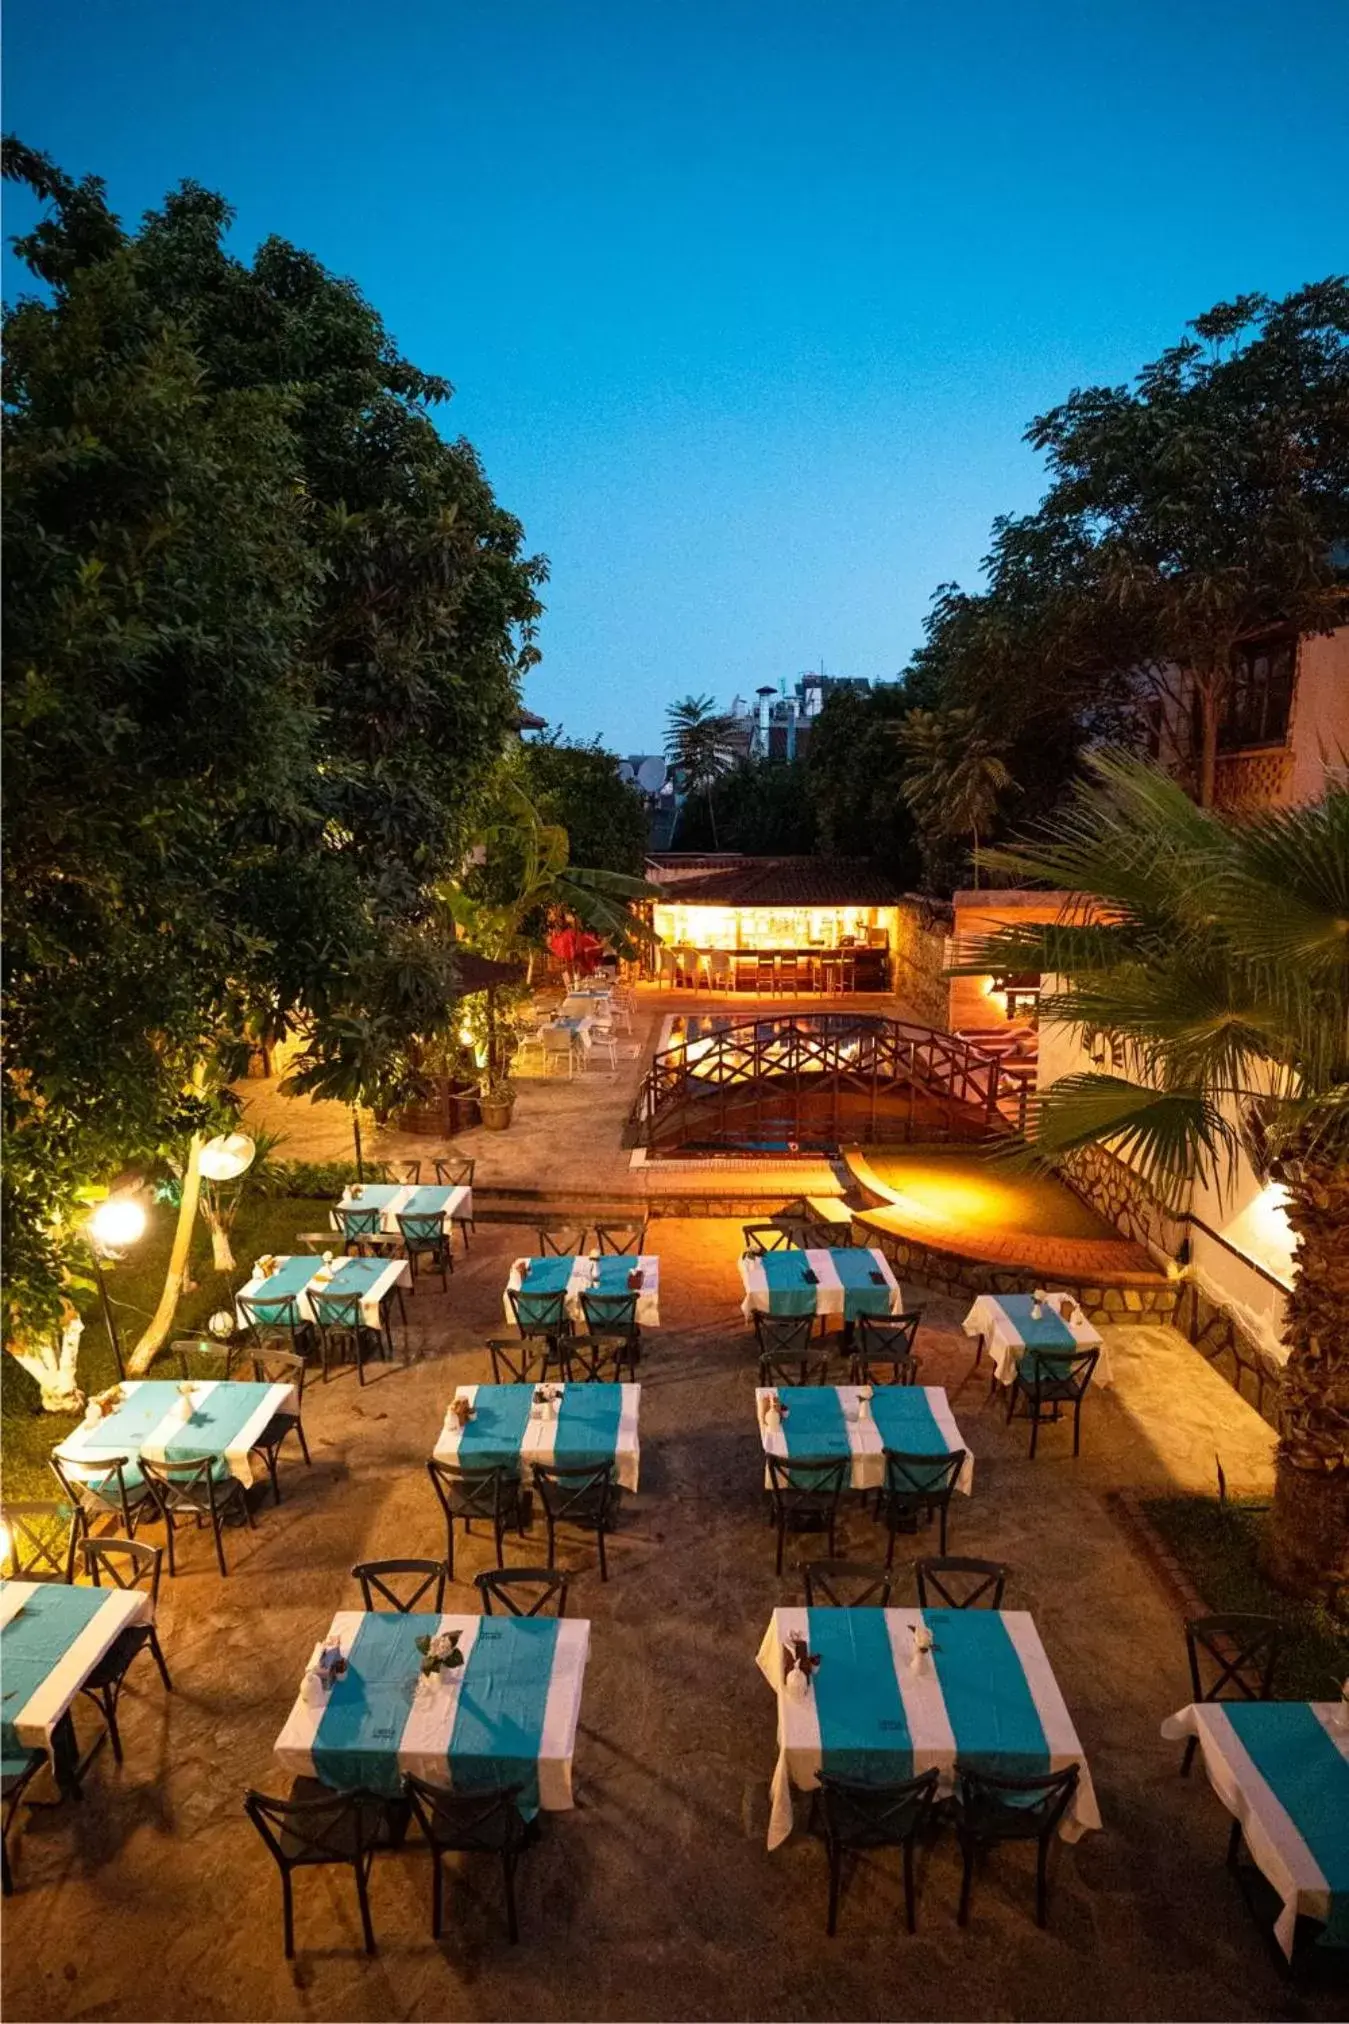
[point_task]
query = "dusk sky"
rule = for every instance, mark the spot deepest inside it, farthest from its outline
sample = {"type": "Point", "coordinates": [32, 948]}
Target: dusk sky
{"type": "Point", "coordinates": [746, 306]}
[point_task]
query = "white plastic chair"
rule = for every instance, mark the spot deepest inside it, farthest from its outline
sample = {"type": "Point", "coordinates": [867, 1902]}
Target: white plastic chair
{"type": "Point", "coordinates": [559, 1046]}
{"type": "Point", "coordinates": [602, 1042]}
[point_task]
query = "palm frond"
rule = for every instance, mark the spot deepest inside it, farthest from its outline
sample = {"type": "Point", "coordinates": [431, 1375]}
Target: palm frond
{"type": "Point", "coordinates": [1051, 948]}
{"type": "Point", "coordinates": [1167, 1136]}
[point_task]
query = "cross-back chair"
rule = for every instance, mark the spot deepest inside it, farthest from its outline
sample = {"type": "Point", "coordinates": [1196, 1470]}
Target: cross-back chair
{"type": "Point", "coordinates": [784, 1342]}
{"type": "Point", "coordinates": [115, 1488]}
{"type": "Point", "coordinates": [847, 1584]}
{"type": "Point", "coordinates": [804, 1497]}
{"type": "Point", "coordinates": [36, 1541]}
{"type": "Point", "coordinates": [125, 1564]}
{"type": "Point", "coordinates": [883, 1349]}
{"type": "Point", "coordinates": [585, 1496]}
{"type": "Point", "coordinates": [491, 1496]}
{"type": "Point", "coordinates": [916, 1487]}
{"type": "Point", "coordinates": [314, 1828]}
{"type": "Point", "coordinates": [425, 1237]}
{"type": "Point", "coordinates": [278, 1366]}
{"type": "Point", "coordinates": [523, 1591]}
{"type": "Point", "coordinates": [1048, 1380]}
{"type": "Point", "coordinates": [402, 1585]}
{"type": "Point", "coordinates": [955, 1583]}
{"type": "Point", "coordinates": [470, 1823]}
{"type": "Point", "coordinates": [620, 1240]}
{"type": "Point", "coordinates": [203, 1490]}
{"type": "Point", "coordinates": [993, 1809]}
{"type": "Point", "coordinates": [1232, 1657]}
{"type": "Point", "coordinates": [854, 1817]}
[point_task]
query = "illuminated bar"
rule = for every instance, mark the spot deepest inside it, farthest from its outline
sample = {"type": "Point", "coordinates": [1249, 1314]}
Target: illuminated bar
{"type": "Point", "coordinates": [772, 925]}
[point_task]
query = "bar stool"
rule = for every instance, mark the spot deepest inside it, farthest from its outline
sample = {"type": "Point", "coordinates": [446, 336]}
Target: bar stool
{"type": "Point", "coordinates": [848, 980]}
{"type": "Point", "coordinates": [787, 975]}
{"type": "Point", "coordinates": [766, 977]}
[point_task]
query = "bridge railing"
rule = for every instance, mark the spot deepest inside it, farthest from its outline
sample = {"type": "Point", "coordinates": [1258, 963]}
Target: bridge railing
{"type": "Point", "coordinates": [870, 1049]}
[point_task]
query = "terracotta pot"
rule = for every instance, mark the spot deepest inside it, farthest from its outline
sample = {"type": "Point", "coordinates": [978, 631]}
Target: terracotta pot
{"type": "Point", "coordinates": [496, 1112]}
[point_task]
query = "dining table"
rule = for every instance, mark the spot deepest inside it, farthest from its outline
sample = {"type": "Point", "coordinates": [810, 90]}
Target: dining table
{"type": "Point", "coordinates": [608, 1275]}
{"type": "Point", "coordinates": [1008, 1324]}
{"type": "Point", "coordinates": [506, 1716]}
{"type": "Point", "coordinates": [450, 1204]}
{"type": "Point", "coordinates": [52, 1636]}
{"type": "Point", "coordinates": [1281, 1768]}
{"type": "Point", "coordinates": [374, 1281]}
{"type": "Point", "coordinates": [825, 1423]}
{"type": "Point", "coordinates": [575, 1426]}
{"type": "Point", "coordinates": [847, 1282]}
{"type": "Point", "coordinates": [192, 1421]}
{"type": "Point", "coordinates": [984, 1698]}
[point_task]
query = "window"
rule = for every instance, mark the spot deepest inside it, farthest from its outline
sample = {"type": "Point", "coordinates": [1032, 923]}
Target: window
{"type": "Point", "coordinates": [1259, 696]}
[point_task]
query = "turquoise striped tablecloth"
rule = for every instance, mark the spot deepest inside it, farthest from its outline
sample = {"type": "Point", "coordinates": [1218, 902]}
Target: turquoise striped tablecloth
{"type": "Point", "coordinates": [492, 1438]}
{"type": "Point", "coordinates": [790, 1292]}
{"type": "Point", "coordinates": [586, 1431]}
{"type": "Point", "coordinates": [814, 1429]}
{"type": "Point", "coordinates": [288, 1281]}
{"type": "Point", "coordinates": [865, 1731]}
{"type": "Point", "coordinates": [1307, 1771]}
{"type": "Point", "coordinates": [906, 1422]}
{"type": "Point", "coordinates": [612, 1275]}
{"type": "Point", "coordinates": [33, 1644]}
{"type": "Point", "coordinates": [356, 1277]}
{"type": "Point", "coordinates": [861, 1293]}
{"type": "Point", "coordinates": [1047, 1330]}
{"type": "Point", "coordinates": [491, 1727]}
{"type": "Point", "coordinates": [427, 1201]}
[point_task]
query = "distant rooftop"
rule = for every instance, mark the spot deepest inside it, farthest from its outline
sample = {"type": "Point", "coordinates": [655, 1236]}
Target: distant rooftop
{"type": "Point", "coordinates": [726, 879]}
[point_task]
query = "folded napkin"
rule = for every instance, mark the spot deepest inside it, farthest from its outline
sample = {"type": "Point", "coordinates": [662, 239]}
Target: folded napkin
{"type": "Point", "coordinates": [313, 1689]}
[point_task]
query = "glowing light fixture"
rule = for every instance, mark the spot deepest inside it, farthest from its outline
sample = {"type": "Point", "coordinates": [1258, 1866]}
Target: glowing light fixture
{"type": "Point", "coordinates": [221, 1324]}
{"type": "Point", "coordinates": [118, 1221]}
{"type": "Point", "coordinates": [6, 1548]}
{"type": "Point", "coordinates": [225, 1158]}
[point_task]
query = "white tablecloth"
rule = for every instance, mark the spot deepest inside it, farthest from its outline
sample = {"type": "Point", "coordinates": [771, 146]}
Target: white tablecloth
{"type": "Point", "coordinates": [829, 1289]}
{"type": "Point", "coordinates": [1277, 1848]}
{"type": "Point", "coordinates": [394, 1272]}
{"type": "Point", "coordinates": [35, 1722]}
{"type": "Point", "coordinates": [582, 1280]}
{"type": "Point", "coordinates": [990, 1319]}
{"type": "Point", "coordinates": [540, 1434]}
{"type": "Point", "coordinates": [865, 1444]}
{"type": "Point", "coordinates": [423, 1747]}
{"type": "Point", "coordinates": [929, 1724]}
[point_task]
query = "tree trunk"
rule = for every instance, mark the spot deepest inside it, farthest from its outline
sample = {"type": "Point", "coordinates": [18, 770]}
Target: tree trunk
{"type": "Point", "coordinates": [356, 1136]}
{"type": "Point", "coordinates": [974, 832]}
{"type": "Point", "coordinates": [54, 1368]}
{"type": "Point", "coordinates": [157, 1334]}
{"type": "Point", "coordinates": [1209, 689]}
{"type": "Point", "coordinates": [711, 814]}
{"type": "Point", "coordinates": [1306, 1548]}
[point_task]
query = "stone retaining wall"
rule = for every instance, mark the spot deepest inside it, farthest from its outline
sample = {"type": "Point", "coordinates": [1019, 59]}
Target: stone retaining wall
{"type": "Point", "coordinates": [921, 928]}
{"type": "Point", "coordinates": [1112, 1188]}
{"type": "Point", "coordinates": [948, 1272]}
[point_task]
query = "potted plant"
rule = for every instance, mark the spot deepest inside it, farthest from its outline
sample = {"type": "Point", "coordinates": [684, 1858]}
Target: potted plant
{"type": "Point", "coordinates": [496, 1099]}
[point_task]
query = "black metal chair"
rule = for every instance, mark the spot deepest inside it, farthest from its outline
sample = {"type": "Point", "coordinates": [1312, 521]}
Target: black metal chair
{"type": "Point", "coordinates": [202, 1491]}
{"type": "Point", "coordinates": [569, 1243]}
{"type": "Point", "coordinates": [854, 1817]}
{"type": "Point", "coordinates": [458, 1174]}
{"type": "Point", "coordinates": [517, 1362]}
{"type": "Point", "coordinates": [127, 1564]}
{"type": "Point", "coordinates": [846, 1584]}
{"type": "Point", "coordinates": [763, 1237]}
{"type": "Point", "coordinates": [1231, 1658]}
{"type": "Point", "coordinates": [275, 1323]}
{"type": "Point", "coordinates": [883, 1350]}
{"type": "Point", "coordinates": [541, 1317]}
{"type": "Point", "coordinates": [990, 1810]}
{"type": "Point", "coordinates": [344, 1334]}
{"type": "Point", "coordinates": [804, 1497]}
{"type": "Point", "coordinates": [114, 1489]}
{"type": "Point", "coordinates": [426, 1237]}
{"type": "Point", "coordinates": [18, 1773]}
{"type": "Point", "coordinates": [596, 1359]}
{"type": "Point", "coordinates": [314, 1828]}
{"type": "Point", "coordinates": [491, 1495]}
{"type": "Point", "coordinates": [1047, 1380]}
{"type": "Point", "coordinates": [470, 1823]}
{"type": "Point", "coordinates": [612, 1318]}
{"type": "Point", "coordinates": [513, 1586]}
{"type": "Point", "coordinates": [915, 1487]}
{"type": "Point", "coordinates": [380, 1585]}
{"type": "Point", "coordinates": [586, 1497]}
{"type": "Point", "coordinates": [410, 1172]}
{"type": "Point", "coordinates": [278, 1366]}
{"type": "Point", "coordinates": [360, 1227]}
{"type": "Point", "coordinates": [620, 1240]}
{"type": "Point", "coordinates": [784, 1342]}
{"type": "Point", "coordinates": [202, 1360]}
{"type": "Point", "coordinates": [960, 1584]}
{"type": "Point", "coordinates": [38, 1541]}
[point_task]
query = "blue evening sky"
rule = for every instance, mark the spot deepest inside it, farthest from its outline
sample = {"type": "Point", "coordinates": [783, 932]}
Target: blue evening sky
{"type": "Point", "coordinates": [746, 305]}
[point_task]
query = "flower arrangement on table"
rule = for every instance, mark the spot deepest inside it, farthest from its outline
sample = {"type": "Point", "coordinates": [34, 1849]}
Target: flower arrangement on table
{"type": "Point", "coordinates": [798, 1663]}
{"type": "Point", "coordinates": [546, 1397]}
{"type": "Point", "coordinates": [440, 1652]}
{"type": "Point", "coordinates": [463, 1409]}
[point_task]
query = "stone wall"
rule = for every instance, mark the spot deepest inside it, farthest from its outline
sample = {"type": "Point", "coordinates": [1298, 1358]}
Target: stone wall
{"type": "Point", "coordinates": [948, 1272]}
{"type": "Point", "coordinates": [1219, 1337]}
{"type": "Point", "coordinates": [921, 928]}
{"type": "Point", "coordinates": [1116, 1192]}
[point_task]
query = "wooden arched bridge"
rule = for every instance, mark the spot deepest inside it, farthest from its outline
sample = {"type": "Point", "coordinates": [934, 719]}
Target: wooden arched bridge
{"type": "Point", "coordinates": [808, 1080]}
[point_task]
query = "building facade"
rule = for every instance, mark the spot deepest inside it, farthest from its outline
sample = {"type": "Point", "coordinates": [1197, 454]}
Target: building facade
{"type": "Point", "coordinates": [1283, 730]}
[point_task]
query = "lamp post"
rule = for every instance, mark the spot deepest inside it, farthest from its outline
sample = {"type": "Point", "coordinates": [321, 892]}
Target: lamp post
{"type": "Point", "coordinates": [114, 1224]}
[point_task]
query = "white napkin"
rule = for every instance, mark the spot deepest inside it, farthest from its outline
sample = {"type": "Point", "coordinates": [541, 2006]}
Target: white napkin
{"type": "Point", "coordinates": [312, 1690]}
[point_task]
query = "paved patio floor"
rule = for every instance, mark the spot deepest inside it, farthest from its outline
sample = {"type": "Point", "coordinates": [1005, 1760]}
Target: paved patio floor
{"type": "Point", "coordinates": [656, 1897]}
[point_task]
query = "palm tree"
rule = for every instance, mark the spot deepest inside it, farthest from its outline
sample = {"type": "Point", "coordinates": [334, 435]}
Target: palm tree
{"type": "Point", "coordinates": [953, 776]}
{"type": "Point", "coordinates": [701, 745]}
{"type": "Point", "coordinates": [1214, 952]}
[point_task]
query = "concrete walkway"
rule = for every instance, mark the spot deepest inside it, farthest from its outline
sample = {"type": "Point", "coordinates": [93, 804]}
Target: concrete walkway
{"type": "Point", "coordinates": [656, 1897]}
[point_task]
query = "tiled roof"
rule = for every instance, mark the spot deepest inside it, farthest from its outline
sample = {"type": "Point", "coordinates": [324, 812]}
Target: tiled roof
{"type": "Point", "coordinates": [783, 882]}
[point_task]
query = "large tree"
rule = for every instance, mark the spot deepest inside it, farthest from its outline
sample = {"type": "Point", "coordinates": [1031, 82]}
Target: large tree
{"type": "Point", "coordinates": [855, 779]}
{"type": "Point", "coordinates": [760, 806]}
{"type": "Point", "coordinates": [579, 787]}
{"type": "Point", "coordinates": [1210, 497]}
{"type": "Point", "coordinates": [1215, 954]}
{"type": "Point", "coordinates": [265, 631]}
